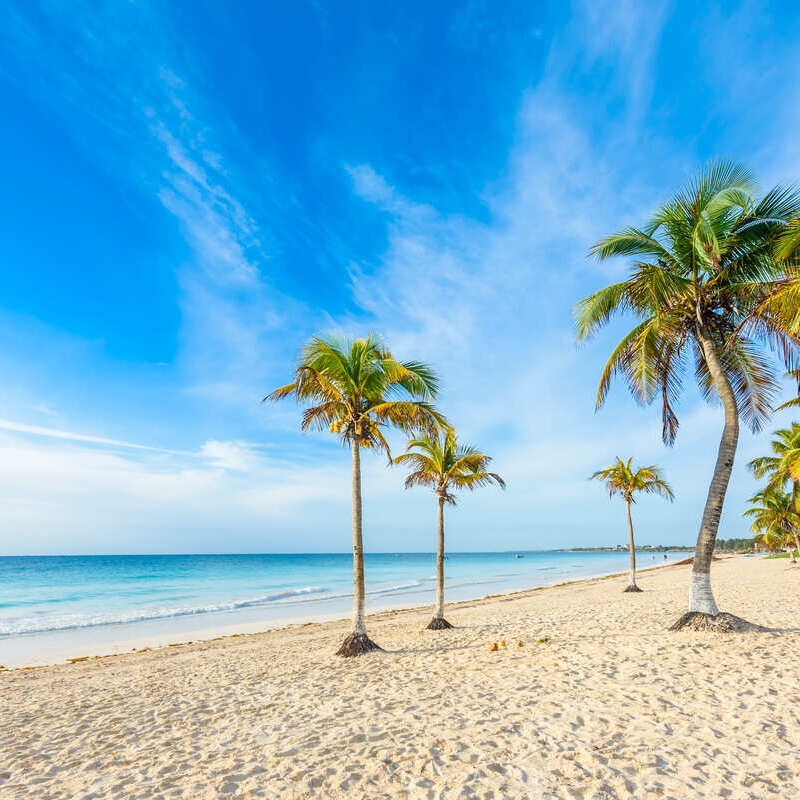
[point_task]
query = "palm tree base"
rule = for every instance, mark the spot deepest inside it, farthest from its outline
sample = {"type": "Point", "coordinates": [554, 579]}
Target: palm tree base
{"type": "Point", "coordinates": [438, 624]}
{"type": "Point", "coordinates": [356, 644]}
{"type": "Point", "coordinates": [632, 588]}
{"type": "Point", "coordinates": [718, 623]}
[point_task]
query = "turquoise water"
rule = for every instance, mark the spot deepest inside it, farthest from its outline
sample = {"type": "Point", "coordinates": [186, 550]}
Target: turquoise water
{"type": "Point", "coordinates": [49, 601]}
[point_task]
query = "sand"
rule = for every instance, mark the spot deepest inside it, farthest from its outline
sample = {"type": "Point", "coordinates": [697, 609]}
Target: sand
{"type": "Point", "coordinates": [612, 705]}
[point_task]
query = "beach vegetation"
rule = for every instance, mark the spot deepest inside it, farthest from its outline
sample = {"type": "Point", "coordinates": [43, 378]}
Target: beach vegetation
{"type": "Point", "coordinates": [707, 286]}
{"type": "Point", "coordinates": [439, 462]}
{"type": "Point", "coordinates": [775, 519]}
{"type": "Point", "coordinates": [356, 389]}
{"type": "Point", "coordinates": [782, 470]}
{"type": "Point", "coordinates": [734, 545]}
{"type": "Point", "coordinates": [623, 479]}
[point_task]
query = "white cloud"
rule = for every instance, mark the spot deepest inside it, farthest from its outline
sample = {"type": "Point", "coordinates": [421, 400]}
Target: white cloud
{"type": "Point", "coordinates": [618, 41]}
{"type": "Point", "coordinates": [489, 303]}
{"type": "Point", "coordinates": [239, 456]}
{"type": "Point", "coordinates": [37, 430]}
{"type": "Point", "coordinates": [69, 498]}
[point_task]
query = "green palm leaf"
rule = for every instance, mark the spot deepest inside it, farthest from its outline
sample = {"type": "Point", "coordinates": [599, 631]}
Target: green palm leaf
{"type": "Point", "coordinates": [438, 460]}
{"type": "Point", "coordinates": [357, 388]}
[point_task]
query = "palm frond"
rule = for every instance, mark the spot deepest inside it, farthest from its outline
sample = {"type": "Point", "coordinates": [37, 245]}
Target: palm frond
{"type": "Point", "coordinates": [793, 403]}
{"type": "Point", "coordinates": [624, 479]}
{"type": "Point", "coordinates": [419, 478]}
{"type": "Point", "coordinates": [594, 311]}
{"type": "Point", "coordinates": [788, 245]}
{"type": "Point", "coordinates": [706, 257]}
{"type": "Point", "coordinates": [446, 464]}
{"type": "Point", "coordinates": [629, 242]}
{"type": "Point", "coordinates": [281, 392]}
{"type": "Point", "coordinates": [472, 480]}
{"type": "Point", "coordinates": [356, 387]}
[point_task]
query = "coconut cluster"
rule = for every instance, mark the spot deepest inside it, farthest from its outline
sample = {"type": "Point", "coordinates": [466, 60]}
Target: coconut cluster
{"type": "Point", "coordinates": [363, 429]}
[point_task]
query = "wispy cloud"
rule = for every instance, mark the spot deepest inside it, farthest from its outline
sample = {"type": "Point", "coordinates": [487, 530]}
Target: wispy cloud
{"type": "Point", "coordinates": [179, 148]}
{"type": "Point", "coordinates": [616, 46]}
{"type": "Point", "coordinates": [491, 300]}
{"type": "Point", "coordinates": [91, 499]}
{"type": "Point", "coordinates": [52, 433]}
{"type": "Point", "coordinates": [239, 456]}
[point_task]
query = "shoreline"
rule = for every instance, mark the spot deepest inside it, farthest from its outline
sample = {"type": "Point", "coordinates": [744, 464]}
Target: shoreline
{"type": "Point", "coordinates": [556, 692]}
{"type": "Point", "coordinates": [155, 642]}
{"type": "Point", "coordinates": [133, 601]}
{"type": "Point", "coordinates": [552, 693]}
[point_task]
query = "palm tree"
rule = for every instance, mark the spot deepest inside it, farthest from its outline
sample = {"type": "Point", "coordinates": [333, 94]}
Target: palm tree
{"type": "Point", "coordinates": [621, 478]}
{"type": "Point", "coordinates": [356, 389]}
{"type": "Point", "coordinates": [793, 402]}
{"type": "Point", "coordinates": [704, 263]}
{"type": "Point", "coordinates": [440, 462]}
{"type": "Point", "coordinates": [775, 518]}
{"type": "Point", "coordinates": [782, 301]}
{"type": "Point", "coordinates": [783, 467]}
{"type": "Point", "coordinates": [788, 245]}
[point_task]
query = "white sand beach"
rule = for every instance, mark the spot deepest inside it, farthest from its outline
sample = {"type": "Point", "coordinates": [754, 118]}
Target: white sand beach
{"type": "Point", "coordinates": [611, 705]}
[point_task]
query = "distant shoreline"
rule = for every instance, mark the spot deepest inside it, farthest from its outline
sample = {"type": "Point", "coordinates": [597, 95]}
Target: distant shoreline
{"type": "Point", "coordinates": [367, 553]}
{"type": "Point", "coordinates": [643, 549]}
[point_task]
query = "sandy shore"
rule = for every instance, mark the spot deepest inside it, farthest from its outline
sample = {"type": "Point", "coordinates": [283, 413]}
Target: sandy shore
{"type": "Point", "coordinates": [612, 705]}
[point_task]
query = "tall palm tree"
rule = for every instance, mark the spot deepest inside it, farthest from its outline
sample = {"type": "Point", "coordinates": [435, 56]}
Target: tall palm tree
{"type": "Point", "coordinates": [440, 462]}
{"type": "Point", "coordinates": [775, 518]}
{"type": "Point", "coordinates": [704, 263]}
{"type": "Point", "coordinates": [783, 467]}
{"type": "Point", "coordinates": [356, 389]}
{"type": "Point", "coordinates": [621, 478]}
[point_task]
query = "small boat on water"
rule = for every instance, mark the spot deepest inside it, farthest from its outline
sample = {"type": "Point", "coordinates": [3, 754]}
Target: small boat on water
{"type": "Point", "coordinates": [518, 555]}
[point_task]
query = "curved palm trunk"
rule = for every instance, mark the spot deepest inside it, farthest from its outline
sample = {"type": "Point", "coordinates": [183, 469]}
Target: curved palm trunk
{"type": "Point", "coordinates": [357, 642]}
{"type": "Point", "coordinates": [439, 622]}
{"type": "Point", "coordinates": [632, 550]}
{"type": "Point", "coordinates": [701, 598]}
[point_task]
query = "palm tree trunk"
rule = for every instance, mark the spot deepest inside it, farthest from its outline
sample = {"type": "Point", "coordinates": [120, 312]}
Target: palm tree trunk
{"type": "Point", "coordinates": [359, 589]}
{"type": "Point", "coordinates": [357, 642]}
{"type": "Point", "coordinates": [439, 622]}
{"type": "Point", "coordinates": [701, 598]}
{"type": "Point", "coordinates": [632, 550]}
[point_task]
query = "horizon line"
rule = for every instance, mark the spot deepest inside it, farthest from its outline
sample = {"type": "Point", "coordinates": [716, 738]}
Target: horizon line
{"type": "Point", "coordinates": [348, 552]}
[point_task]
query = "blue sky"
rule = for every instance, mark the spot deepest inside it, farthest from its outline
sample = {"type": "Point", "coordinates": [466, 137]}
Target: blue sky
{"type": "Point", "coordinates": [194, 189]}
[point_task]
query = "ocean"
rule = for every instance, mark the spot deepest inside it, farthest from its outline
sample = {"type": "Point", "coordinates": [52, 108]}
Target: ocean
{"type": "Point", "coordinates": [57, 604]}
